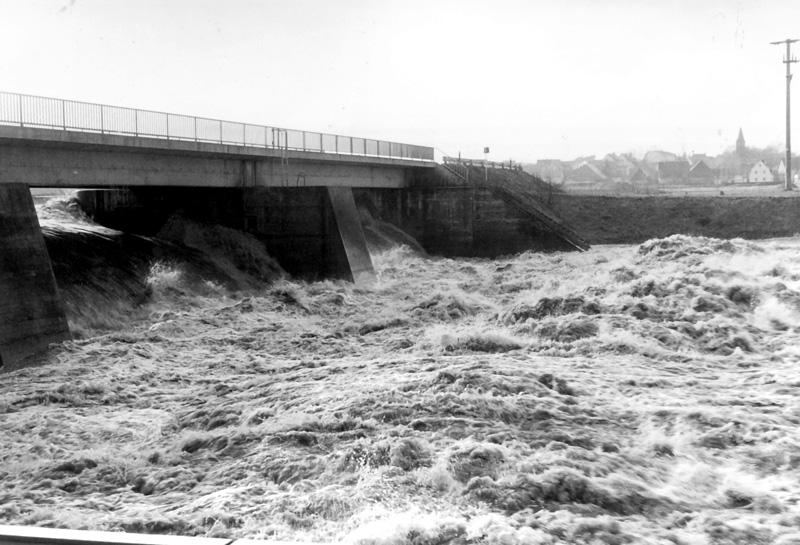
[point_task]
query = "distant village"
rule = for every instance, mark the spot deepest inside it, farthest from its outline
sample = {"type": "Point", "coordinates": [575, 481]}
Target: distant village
{"type": "Point", "coordinates": [659, 170]}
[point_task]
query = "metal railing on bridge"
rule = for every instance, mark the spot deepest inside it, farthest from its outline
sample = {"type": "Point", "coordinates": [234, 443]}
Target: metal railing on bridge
{"type": "Point", "coordinates": [510, 164]}
{"type": "Point", "coordinates": [69, 115]}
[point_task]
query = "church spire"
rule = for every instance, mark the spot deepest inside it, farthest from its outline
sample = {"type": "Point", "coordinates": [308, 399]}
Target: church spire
{"type": "Point", "coordinates": [740, 142]}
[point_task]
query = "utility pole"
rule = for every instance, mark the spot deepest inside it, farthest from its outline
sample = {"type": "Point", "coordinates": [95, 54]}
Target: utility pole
{"type": "Point", "coordinates": [788, 60]}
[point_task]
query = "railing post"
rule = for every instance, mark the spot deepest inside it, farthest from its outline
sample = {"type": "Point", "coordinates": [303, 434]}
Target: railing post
{"type": "Point", "coordinates": [351, 145]}
{"type": "Point", "coordinates": [63, 115]}
{"type": "Point", "coordinates": [220, 131]}
{"type": "Point", "coordinates": [21, 118]}
{"type": "Point", "coordinates": [244, 134]}
{"type": "Point", "coordinates": [136, 122]}
{"type": "Point", "coordinates": [167, 126]}
{"type": "Point", "coordinates": [102, 121]}
{"type": "Point", "coordinates": [195, 129]}
{"type": "Point", "coordinates": [304, 140]}
{"type": "Point", "coordinates": [321, 144]}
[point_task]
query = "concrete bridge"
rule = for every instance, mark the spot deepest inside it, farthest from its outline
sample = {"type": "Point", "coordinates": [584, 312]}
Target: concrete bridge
{"type": "Point", "coordinates": [58, 143]}
{"type": "Point", "coordinates": [46, 142]}
{"type": "Point", "coordinates": [294, 190]}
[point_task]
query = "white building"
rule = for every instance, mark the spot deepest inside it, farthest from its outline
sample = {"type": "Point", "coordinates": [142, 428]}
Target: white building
{"type": "Point", "coordinates": [761, 173]}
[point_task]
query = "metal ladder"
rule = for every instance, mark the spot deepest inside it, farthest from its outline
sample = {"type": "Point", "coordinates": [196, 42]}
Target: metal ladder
{"type": "Point", "coordinates": [280, 140]}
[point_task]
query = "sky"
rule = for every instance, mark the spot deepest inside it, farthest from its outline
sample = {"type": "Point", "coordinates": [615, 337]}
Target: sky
{"type": "Point", "coordinates": [530, 79]}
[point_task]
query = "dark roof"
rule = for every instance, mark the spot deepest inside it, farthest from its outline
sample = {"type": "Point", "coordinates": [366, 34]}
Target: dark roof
{"type": "Point", "coordinates": [701, 169]}
{"type": "Point", "coordinates": [587, 172]}
{"type": "Point", "coordinates": [638, 175]}
{"type": "Point", "coordinates": [673, 169]}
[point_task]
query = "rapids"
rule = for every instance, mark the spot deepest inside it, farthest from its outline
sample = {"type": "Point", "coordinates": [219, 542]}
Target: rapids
{"type": "Point", "coordinates": [629, 394]}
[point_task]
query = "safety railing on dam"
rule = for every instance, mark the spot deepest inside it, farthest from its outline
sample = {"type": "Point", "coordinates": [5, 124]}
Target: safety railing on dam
{"type": "Point", "coordinates": [69, 115]}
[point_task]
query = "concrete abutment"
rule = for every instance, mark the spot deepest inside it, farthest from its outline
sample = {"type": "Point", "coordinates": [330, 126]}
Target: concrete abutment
{"type": "Point", "coordinates": [31, 311]}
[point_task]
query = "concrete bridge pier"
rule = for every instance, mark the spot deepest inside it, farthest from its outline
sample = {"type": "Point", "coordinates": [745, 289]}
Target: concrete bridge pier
{"type": "Point", "coordinates": [31, 311]}
{"type": "Point", "coordinates": [313, 232]}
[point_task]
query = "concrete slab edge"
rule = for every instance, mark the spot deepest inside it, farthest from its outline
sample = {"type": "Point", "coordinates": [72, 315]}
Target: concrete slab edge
{"type": "Point", "coordinates": [34, 535]}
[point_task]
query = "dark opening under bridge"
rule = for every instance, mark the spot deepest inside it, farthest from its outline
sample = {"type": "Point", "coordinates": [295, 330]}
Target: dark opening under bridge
{"type": "Point", "coordinates": [294, 190]}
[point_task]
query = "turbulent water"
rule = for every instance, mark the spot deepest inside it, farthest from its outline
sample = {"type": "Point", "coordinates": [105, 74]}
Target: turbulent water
{"type": "Point", "coordinates": [629, 394]}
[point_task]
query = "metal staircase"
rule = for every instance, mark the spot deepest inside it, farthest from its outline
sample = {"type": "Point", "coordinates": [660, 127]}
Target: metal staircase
{"type": "Point", "coordinates": [505, 185]}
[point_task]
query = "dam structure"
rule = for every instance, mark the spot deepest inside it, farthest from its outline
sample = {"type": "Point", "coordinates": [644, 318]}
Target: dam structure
{"type": "Point", "coordinates": [305, 195]}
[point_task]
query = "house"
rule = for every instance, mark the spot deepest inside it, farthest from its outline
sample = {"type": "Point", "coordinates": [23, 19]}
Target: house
{"type": "Point", "coordinates": [779, 172]}
{"type": "Point", "coordinates": [639, 176]}
{"type": "Point", "coordinates": [617, 167]}
{"type": "Point", "coordinates": [587, 172]}
{"type": "Point", "coordinates": [701, 174]}
{"type": "Point", "coordinates": [761, 173]}
{"type": "Point", "coordinates": [673, 172]}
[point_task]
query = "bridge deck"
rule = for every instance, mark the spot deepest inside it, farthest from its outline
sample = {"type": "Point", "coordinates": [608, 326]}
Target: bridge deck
{"type": "Point", "coordinates": [54, 138]}
{"type": "Point", "coordinates": [42, 157]}
{"type": "Point", "coordinates": [47, 142]}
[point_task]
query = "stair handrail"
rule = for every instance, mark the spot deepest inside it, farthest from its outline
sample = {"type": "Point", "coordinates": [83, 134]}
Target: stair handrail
{"type": "Point", "coordinates": [502, 165]}
{"type": "Point", "coordinates": [518, 200]}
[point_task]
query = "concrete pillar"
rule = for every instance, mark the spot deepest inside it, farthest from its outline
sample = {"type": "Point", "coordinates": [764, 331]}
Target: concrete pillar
{"type": "Point", "coordinates": [313, 232]}
{"type": "Point", "coordinates": [351, 234]}
{"type": "Point", "coordinates": [31, 311]}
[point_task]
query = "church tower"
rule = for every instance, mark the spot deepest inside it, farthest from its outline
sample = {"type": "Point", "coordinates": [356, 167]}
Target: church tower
{"type": "Point", "coordinates": [740, 143]}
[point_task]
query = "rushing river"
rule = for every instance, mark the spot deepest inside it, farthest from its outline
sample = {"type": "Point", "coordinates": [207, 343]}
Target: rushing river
{"type": "Point", "coordinates": [629, 394]}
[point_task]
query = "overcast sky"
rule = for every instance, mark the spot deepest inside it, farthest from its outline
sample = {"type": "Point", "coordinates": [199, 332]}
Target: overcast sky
{"type": "Point", "coordinates": [532, 79]}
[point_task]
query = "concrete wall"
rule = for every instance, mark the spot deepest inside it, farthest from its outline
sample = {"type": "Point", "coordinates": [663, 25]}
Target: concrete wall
{"type": "Point", "coordinates": [296, 223]}
{"type": "Point", "coordinates": [458, 220]}
{"type": "Point", "coordinates": [632, 220]}
{"type": "Point", "coordinates": [308, 174]}
{"type": "Point", "coordinates": [313, 232]}
{"type": "Point", "coordinates": [59, 167]}
{"type": "Point", "coordinates": [43, 167]}
{"type": "Point", "coordinates": [31, 311]}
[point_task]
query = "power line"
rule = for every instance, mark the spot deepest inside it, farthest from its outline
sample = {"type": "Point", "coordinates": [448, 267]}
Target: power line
{"type": "Point", "coordinates": [788, 60]}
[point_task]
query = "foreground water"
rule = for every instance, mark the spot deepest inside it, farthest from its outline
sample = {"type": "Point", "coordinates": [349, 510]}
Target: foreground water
{"type": "Point", "coordinates": [630, 394]}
